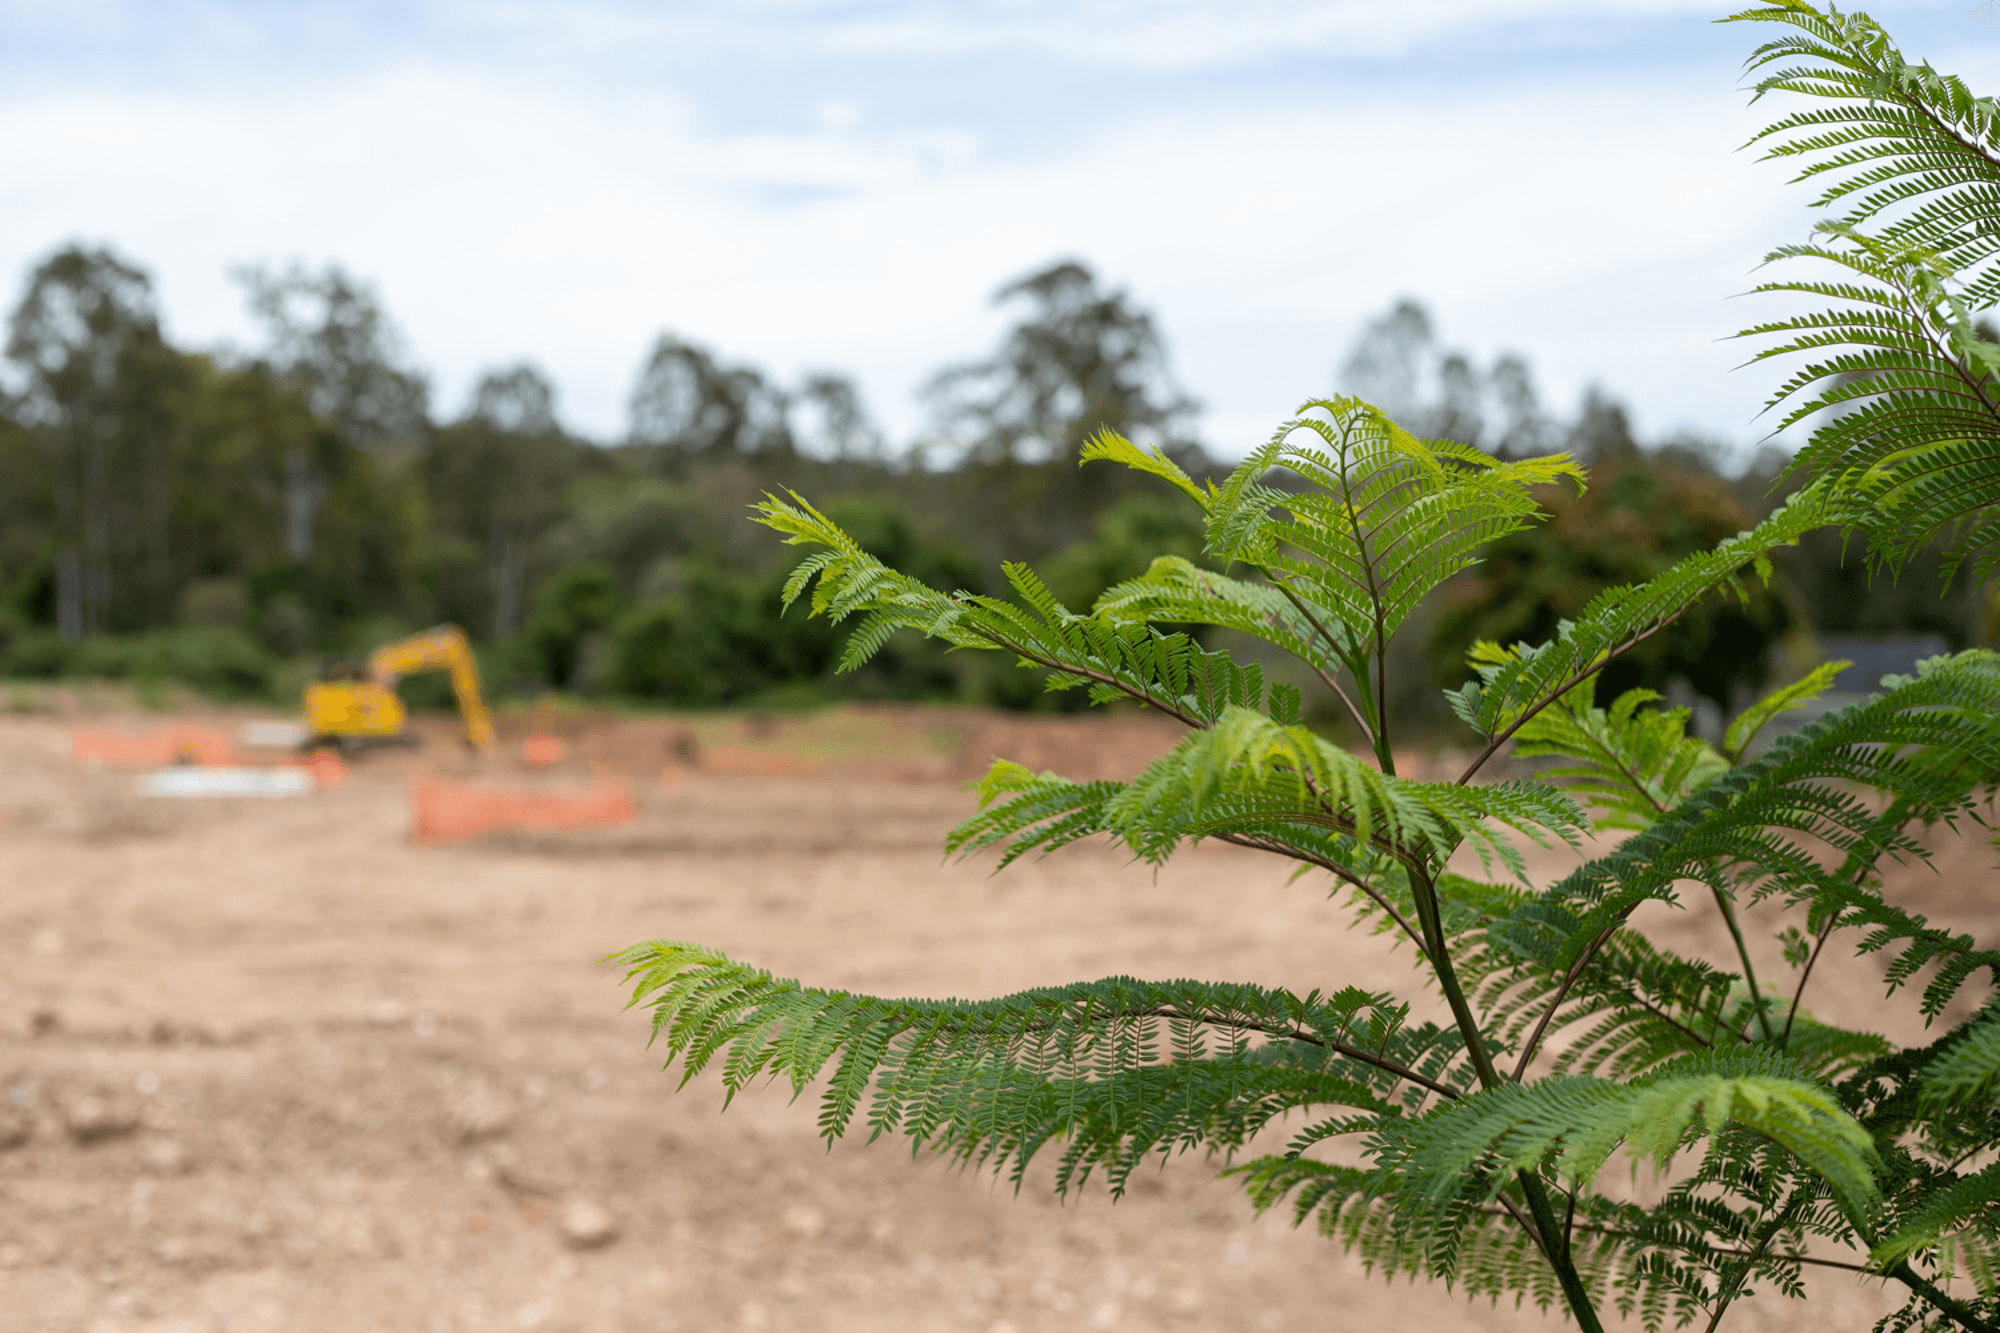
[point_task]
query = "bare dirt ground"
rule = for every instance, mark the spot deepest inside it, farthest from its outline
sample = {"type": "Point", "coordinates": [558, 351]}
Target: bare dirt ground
{"type": "Point", "coordinates": [268, 1065]}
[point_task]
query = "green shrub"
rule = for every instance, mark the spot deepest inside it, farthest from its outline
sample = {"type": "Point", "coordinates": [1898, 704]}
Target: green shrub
{"type": "Point", "coordinates": [35, 653]}
{"type": "Point", "coordinates": [215, 601]}
{"type": "Point", "coordinates": [220, 661]}
{"type": "Point", "coordinates": [720, 637]}
{"type": "Point", "coordinates": [572, 605]}
{"type": "Point", "coordinates": [716, 640]}
{"type": "Point", "coordinates": [107, 657]}
{"type": "Point", "coordinates": [1129, 536]}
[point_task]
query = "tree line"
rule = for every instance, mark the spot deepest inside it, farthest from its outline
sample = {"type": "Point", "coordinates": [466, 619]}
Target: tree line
{"type": "Point", "coordinates": [236, 520]}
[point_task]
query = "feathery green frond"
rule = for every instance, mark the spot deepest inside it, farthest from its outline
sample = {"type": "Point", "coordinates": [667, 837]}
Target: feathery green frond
{"type": "Point", "coordinates": [1384, 519]}
{"type": "Point", "coordinates": [1632, 765]}
{"type": "Point", "coordinates": [1969, 1072]}
{"type": "Point", "coordinates": [1177, 591]}
{"type": "Point", "coordinates": [1970, 1203]}
{"type": "Point", "coordinates": [1249, 774]}
{"type": "Point", "coordinates": [707, 1005]}
{"type": "Point", "coordinates": [1798, 694]}
{"type": "Point", "coordinates": [1909, 435]}
{"type": "Point", "coordinates": [1110, 446]}
{"type": "Point", "coordinates": [1931, 743]}
{"type": "Point", "coordinates": [1470, 1149]}
{"type": "Point", "coordinates": [1113, 655]}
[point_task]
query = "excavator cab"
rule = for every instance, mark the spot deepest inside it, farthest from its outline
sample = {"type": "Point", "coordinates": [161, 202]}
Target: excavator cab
{"type": "Point", "coordinates": [353, 713]}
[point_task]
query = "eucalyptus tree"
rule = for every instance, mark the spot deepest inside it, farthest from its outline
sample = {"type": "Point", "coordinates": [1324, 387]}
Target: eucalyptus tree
{"type": "Point", "coordinates": [1078, 359]}
{"type": "Point", "coordinates": [86, 335]}
{"type": "Point", "coordinates": [497, 480]}
{"type": "Point", "coordinates": [688, 406]}
{"type": "Point", "coordinates": [327, 334]}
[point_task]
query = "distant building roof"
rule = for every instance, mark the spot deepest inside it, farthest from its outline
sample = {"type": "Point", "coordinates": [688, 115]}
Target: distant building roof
{"type": "Point", "coordinates": [1876, 658]}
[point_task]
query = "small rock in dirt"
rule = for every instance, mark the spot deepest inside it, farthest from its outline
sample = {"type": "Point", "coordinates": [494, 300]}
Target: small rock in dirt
{"type": "Point", "coordinates": [481, 1114]}
{"type": "Point", "coordinates": [586, 1225]}
{"type": "Point", "coordinates": [43, 1022]}
{"type": "Point", "coordinates": [17, 1126]}
{"type": "Point", "coordinates": [92, 1119]}
{"type": "Point", "coordinates": [164, 1157]}
{"type": "Point", "coordinates": [804, 1221]}
{"type": "Point", "coordinates": [388, 1014]}
{"type": "Point", "coordinates": [220, 1032]}
{"type": "Point", "coordinates": [686, 748]}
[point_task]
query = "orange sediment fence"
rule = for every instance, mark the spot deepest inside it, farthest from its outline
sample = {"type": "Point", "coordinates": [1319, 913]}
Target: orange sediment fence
{"type": "Point", "coordinates": [447, 810]}
{"type": "Point", "coordinates": [542, 751]}
{"type": "Point", "coordinates": [326, 766]}
{"type": "Point", "coordinates": [172, 745]}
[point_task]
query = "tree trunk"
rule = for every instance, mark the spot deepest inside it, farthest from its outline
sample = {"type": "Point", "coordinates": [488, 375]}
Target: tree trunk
{"type": "Point", "coordinates": [304, 492]}
{"type": "Point", "coordinates": [69, 594]}
{"type": "Point", "coordinates": [96, 528]}
{"type": "Point", "coordinates": [506, 573]}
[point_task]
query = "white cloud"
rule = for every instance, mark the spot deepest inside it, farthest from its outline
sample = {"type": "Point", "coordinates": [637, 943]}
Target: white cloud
{"type": "Point", "coordinates": [1596, 226]}
{"type": "Point", "coordinates": [1141, 34]}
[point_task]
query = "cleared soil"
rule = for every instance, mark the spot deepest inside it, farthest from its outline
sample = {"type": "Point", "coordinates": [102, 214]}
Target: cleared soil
{"type": "Point", "coordinates": [271, 1065]}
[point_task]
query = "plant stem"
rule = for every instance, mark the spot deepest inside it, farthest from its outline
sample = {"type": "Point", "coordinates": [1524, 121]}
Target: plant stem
{"type": "Point", "coordinates": [1494, 743]}
{"type": "Point", "coordinates": [1791, 1015]}
{"type": "Point", "coordinates": [1431, 919]}
{"type": "Point", "coordinates": [1551, 1236]}
{"type": "Point", "coordinates": [1857, 865]}
{"type": "Point", "coordinates": [1549, 1231]}
{"type": "Point", "coordinates": [1956, 1311]}
{"type": "Point", "coordinates": [1743, 953]}
{"type": "Point", "coordinates": [1534, 1041]}
{"type": "Point", "coordinates": [1328, 678]}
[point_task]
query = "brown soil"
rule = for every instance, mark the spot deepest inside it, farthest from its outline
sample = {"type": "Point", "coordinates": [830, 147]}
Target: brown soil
{"type": "Point", "coordinates": [269, 1065]}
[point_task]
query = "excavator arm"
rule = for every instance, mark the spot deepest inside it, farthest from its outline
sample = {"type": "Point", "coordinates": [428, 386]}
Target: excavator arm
{"type": "Point", "coordinates": [443, 648]}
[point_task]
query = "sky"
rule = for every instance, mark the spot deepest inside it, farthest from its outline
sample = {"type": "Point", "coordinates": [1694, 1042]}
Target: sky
{"type": "Point", "coordinates": [807, 185]}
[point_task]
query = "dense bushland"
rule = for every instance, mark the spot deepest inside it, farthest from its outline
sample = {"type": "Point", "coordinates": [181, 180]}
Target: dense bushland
{"type": "Point", "coordinates": [311, 498]}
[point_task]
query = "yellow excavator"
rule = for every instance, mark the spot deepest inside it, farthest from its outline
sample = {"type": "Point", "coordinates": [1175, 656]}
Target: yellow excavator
{"type": "Point", "coordinates": [355, 713]}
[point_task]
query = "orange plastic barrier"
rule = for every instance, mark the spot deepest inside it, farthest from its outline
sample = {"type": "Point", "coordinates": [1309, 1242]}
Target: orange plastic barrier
{"type": "Point", "coordinates": [326, 767]}
{"type": "Point", "coordinates": [446, 810]}
{"type": "Point", "coordinates": [175, 745]}
{"type": "Point", "coordinates": [543, 750]}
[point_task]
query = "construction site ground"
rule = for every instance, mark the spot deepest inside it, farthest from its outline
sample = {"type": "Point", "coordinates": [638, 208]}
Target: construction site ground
{"type": "Point", "coordinates": [271, 1066]}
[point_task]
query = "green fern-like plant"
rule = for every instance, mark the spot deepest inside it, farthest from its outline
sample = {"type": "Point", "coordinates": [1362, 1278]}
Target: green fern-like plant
{"type": "Point", "coordinates": [1777, 1141]}
{"type": "Point", "coordinates": [1899, 374]}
